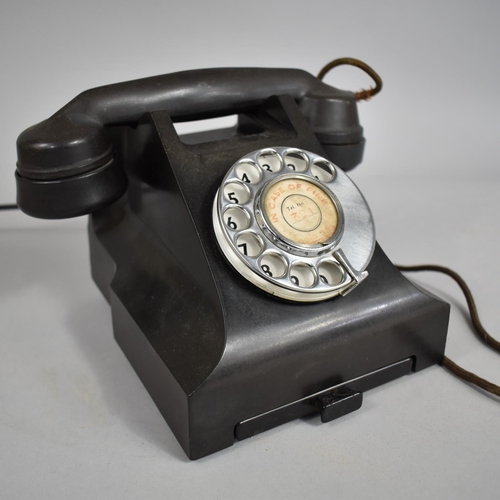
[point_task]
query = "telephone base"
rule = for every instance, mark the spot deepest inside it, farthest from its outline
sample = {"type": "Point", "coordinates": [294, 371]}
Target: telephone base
{"type": "Point", "coordinates": [331, 403]}
{"type": "Point", "coordinates": [383, 330]}
{"type": "Point", "coordinates": [220, 357]}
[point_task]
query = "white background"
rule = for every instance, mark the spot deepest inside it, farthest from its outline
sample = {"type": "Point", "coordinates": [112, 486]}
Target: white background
{"type": "Point", "coordinates": [75, 422]}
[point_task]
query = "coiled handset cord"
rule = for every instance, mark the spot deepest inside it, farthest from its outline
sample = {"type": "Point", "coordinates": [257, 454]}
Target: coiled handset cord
{"type": "Point", "coordinates": [447, 362]}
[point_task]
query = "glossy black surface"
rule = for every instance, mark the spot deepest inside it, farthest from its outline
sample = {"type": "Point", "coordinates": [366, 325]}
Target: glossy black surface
{"type": "Point", "coordinates": [212, 349]}
{"type": "Point", "coordinates": [325, 401]}
{"type": "Point", "coordinates": [339, 402]}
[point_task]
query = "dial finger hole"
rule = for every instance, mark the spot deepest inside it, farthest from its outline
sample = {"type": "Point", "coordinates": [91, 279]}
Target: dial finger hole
{"type": "Point", "coordinates": [235, 192]}
{"type": "Point", "coordinates": [236, 218]}
{"type": "Point", "coordinates": [296, 161]}
{"type": "Point", "coordinates": [323, 171]}
{"type": "Point", "coordinates": [270, 161]}
{"type": "Point", "coordinates": [249, 244]}
{"type": "Point", "coordinates": [248, 173]}
{"type": "Point", "coordinates": [273, 265]}
{"type": "Point", "coordinates": [302, 275]}
{"type": "Point", "coordinates": [330, 273]}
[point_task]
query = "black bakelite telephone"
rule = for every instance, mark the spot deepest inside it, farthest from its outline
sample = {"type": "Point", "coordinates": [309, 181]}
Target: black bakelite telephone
{"type": "Point", "coordinates": [221, 252]}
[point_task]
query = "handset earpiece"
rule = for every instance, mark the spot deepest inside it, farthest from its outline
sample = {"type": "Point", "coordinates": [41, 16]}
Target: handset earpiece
{"type": "Point", "coordinates": [66, 164]}
{"type": "Point", "coordinates": [66, 170]}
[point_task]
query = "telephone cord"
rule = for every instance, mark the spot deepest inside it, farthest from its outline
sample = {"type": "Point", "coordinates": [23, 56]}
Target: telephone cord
{"type": "Point", "coordinates": [476, 322]}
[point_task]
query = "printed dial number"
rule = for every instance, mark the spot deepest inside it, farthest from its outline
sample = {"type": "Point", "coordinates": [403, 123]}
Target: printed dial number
{"type": "Point", "coordinates": [323, 171]}
{"type": "Point", "coordinates": [330, 273]}
{"type": "Point", "coordinates": [248, 173]}
{"type": "Point", "coordinates": [249, 244]}
{"type": "Point", "coordinates": [273, 265]}
{"type": "Point", "coordinates": [302, 275]}
{"type": "Point", "coordinates": [296, 161]}
{"type": "Point", "coordinates": [236, 218]}
{"type": "Point", "coordinates": [236, 192]}
{"type": "Point", "coordinates": [270, 161]}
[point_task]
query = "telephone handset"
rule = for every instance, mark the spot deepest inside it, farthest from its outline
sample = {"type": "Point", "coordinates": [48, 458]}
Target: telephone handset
{"type": "Point", "coordinates": [294, 224]}
{"type": "Point", "coordinates": [226, 354]}
{"type": "Point", "coordinates": [67, 164]}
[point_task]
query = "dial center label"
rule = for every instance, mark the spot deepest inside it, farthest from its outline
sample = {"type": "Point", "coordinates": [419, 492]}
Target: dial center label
{"type": "Point", "coordinates": [301, 211]}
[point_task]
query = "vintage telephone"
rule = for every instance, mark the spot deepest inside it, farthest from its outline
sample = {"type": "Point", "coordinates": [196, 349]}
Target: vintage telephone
{"type": "Point", "coordinates": [221, 252]}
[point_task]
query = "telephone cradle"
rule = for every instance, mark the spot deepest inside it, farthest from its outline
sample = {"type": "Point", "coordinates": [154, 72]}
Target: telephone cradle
{"type": "Point", "coordinates": [221, 323]}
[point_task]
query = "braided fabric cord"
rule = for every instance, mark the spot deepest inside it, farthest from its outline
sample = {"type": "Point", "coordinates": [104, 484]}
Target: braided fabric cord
{"type": "Point", "coordinates": [478, 326]}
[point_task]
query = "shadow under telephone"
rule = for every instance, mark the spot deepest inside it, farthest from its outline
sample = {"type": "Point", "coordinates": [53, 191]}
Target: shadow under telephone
{"type": "Point", "coordinates": [219, 251]}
